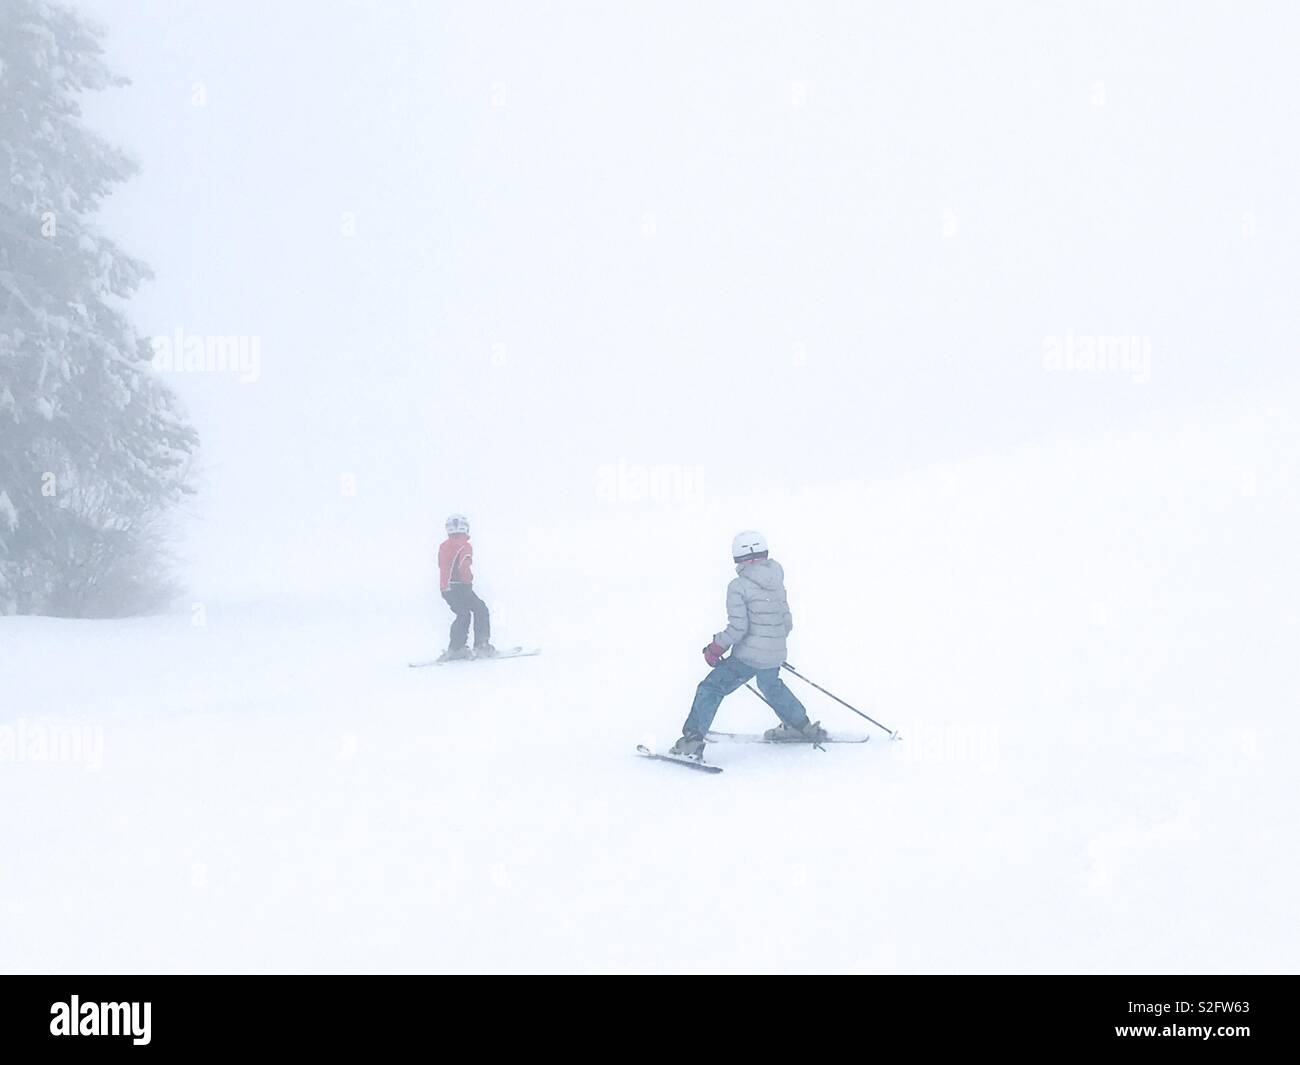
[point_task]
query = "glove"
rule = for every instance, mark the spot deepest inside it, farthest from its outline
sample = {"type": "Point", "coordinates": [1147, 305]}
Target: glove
{"type": "Point", "coordinates": [713, 654]}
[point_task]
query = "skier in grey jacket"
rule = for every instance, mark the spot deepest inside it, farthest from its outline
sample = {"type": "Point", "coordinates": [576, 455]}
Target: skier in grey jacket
{"type": "Point", "coordinates": [758, 621]}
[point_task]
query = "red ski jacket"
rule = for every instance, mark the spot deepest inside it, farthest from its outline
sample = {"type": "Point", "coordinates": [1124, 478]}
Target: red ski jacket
{"type": "Point", "coordinates": [455, 561]}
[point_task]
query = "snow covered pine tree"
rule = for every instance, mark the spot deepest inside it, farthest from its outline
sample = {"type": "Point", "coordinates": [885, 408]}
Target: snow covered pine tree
{"type": "Point", "coordinates": [93, 448]}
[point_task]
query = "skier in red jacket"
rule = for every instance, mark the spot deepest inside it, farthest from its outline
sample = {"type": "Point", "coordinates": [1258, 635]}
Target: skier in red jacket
{"type": "Point", "coordinates": [456, 580]}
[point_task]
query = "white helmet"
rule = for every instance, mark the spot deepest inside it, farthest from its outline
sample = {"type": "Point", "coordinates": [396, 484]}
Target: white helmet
{"type": "Point", "coordinates": [748, 545]}
{"type": "Point", "coordinates": [457, 523]}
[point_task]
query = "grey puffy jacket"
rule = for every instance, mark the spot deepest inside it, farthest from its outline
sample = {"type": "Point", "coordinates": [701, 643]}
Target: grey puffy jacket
{"type": "Point", "coordinates": [758, 617]}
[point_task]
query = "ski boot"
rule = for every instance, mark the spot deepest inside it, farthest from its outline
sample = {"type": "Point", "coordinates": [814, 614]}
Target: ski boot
{"type": "Point", "coordinates": [691, 746]}
{"type": "Point", "coordinates": [484, 650]}
{"type": "Point", "coordinates": [455, 654]}
{"type": "Point", "coordinates": [809, 732]}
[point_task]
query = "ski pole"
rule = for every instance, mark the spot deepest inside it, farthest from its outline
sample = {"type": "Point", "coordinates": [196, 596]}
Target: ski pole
{"type": "Point", "coordinates": [893, 733]}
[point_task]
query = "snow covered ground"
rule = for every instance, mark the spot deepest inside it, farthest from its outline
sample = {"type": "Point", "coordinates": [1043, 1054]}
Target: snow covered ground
{"type": "Point", "coordinates": [1089, 647]}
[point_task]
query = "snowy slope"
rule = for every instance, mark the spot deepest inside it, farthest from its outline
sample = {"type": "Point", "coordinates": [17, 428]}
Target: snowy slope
{"type": "Point", "coordinates": [1089, 647]}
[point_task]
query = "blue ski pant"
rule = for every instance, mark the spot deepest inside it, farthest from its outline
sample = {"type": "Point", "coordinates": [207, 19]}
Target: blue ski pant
{"type": "Point", "coordinates": [725, 678]}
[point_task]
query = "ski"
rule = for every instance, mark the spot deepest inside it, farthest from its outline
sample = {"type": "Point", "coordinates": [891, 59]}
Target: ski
{"type": "Point", "coordinates": [758, 737]}
{"type": "Point", "coordinates": [689, 763]}
{"type": "Point", "coordinates": [512, 652]}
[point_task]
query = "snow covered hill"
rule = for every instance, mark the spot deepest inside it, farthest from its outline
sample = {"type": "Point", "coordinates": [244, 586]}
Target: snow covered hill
{"type": "Point", "coordinates": [1088, 646]}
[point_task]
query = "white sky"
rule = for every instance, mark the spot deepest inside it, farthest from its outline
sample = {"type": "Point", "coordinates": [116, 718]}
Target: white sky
{"type": "Point", "coordinates": [785, 242]}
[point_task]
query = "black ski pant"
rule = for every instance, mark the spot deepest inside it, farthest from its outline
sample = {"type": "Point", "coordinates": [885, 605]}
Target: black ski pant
{"type": "Point", "coordinates": [465, 604]}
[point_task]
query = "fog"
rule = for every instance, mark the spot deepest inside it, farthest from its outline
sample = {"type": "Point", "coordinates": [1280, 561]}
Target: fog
{"type": "Point", "coordinates": [984, 314]}
{"type": "Point", "coordinates": [489, 251]}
